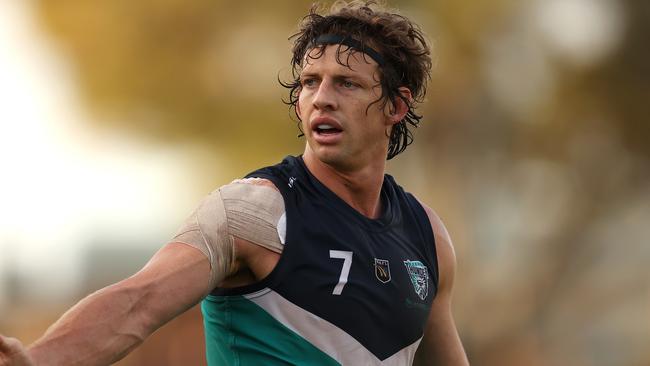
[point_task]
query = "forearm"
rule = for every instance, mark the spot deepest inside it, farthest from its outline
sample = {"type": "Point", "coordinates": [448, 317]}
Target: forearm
{"type": "Point", "coordinates": [99, 330]}
{"type": "Point", "coordinates": [106, 325]}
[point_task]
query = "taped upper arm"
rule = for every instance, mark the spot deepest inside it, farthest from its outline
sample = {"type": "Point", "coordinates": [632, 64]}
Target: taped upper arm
{"type": "Point", "coordinates": [249, 209]}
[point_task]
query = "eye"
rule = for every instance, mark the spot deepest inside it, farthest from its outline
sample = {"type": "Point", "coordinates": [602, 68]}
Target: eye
{"type": "Point", "coordinates": [308, 82]}
{"type": "Point", "coordinates": [348, 84]}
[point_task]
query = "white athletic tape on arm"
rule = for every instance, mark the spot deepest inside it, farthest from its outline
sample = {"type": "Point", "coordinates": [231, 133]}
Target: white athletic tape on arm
{"type": "Point", "coordinates": [243, 209]}
{"type": "Point", "coordinates": [253, 213]}
{"type": "Point", "coordinates": [207, 230]}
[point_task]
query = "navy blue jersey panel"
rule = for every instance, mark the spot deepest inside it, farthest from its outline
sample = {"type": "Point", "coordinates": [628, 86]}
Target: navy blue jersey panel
{"type": "Point", "coordinates": [393, 272]}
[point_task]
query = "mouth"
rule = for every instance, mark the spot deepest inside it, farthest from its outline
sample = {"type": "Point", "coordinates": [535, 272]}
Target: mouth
{"type": "Point", "coordinates": [326, 126]}
{"type": "Point", "coordinates": [326, 131]}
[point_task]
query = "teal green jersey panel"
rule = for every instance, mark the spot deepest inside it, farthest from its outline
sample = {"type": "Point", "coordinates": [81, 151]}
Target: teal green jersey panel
{"type": "Point", "coordinates": [239, 332]}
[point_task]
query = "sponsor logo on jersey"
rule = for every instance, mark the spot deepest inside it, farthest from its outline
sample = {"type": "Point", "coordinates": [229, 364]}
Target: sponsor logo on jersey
{"type": "Point", "coordinates": [292, 180]}
{"type": "Point", "coordinates": [419, 277]}
{"type": "Point", "coordinates": [382, 270]}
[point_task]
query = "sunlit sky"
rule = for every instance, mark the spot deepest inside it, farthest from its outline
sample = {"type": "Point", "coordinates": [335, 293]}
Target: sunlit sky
{"type": "Point", "coordinates": [63, 183]}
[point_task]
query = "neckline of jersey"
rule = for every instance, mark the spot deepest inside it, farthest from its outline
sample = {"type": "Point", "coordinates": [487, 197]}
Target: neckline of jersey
{"type": "Point", "coordinates": [384, 220]}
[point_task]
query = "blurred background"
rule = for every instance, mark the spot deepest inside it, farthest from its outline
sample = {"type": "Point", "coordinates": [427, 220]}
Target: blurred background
{"type": "Point", "coordinates": [118, 116]}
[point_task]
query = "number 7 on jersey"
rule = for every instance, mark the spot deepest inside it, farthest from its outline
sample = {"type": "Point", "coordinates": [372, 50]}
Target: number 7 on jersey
{"type": "Point", "coordinates": [345, 271]}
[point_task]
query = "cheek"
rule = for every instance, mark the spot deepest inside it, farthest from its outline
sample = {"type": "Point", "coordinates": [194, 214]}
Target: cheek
{"type": "Point", "coordinates": [376, 114]}
{"type": "Point", "coordinates": [299, 104]}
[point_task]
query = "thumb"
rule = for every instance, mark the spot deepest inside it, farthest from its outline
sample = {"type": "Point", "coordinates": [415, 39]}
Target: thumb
{"type": "Point", "coordinates": [9, 345]}
{"type": "Point", "coordinates": [13, 353]}
{"type": "Point", "coordinates": [3, 343]}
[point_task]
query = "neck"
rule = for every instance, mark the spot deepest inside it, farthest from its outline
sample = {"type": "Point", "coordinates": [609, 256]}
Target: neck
{"type": "Point", "coordinates": [358, 187]}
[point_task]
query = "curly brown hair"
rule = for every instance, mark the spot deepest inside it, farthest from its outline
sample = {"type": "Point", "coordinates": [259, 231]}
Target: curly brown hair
{"type": "Point", "coordinates": [398, 40]}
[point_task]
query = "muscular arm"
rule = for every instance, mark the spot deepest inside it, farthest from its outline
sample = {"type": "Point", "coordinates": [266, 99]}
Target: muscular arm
{"type": "Point", "coordinates": [105, 326]}
{"type": "Point", "coordinates": [108, 324]}
{"type": "Point", "coordinates": [441, 344]}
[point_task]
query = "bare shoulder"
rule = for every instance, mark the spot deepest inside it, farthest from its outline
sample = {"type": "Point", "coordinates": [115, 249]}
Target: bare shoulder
{"type": "Point", "coordinates": [444, 248]}
{"type": "Point", "coordinates": [442, 345]}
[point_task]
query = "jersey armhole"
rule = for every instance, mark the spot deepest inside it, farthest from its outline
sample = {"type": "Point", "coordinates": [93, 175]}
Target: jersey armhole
{"type": "Point", "coordinates": [426, 231]}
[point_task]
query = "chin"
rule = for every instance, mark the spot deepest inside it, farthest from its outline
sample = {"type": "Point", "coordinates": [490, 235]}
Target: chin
{"type": "Point", "coordinates": [329, 157]}
{"type": "Point", "coordinates": [337, 155]}
{"type": "Point", "coordinates": [337, 159]}
{"type": "Point", "coordinates": [325, 154]}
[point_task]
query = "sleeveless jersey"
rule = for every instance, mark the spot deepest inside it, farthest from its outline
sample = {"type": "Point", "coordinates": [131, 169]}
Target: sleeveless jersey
{"type": "Point", "coordinates": [347, 290]}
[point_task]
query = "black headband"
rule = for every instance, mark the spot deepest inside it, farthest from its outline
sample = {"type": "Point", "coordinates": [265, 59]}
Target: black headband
{"type": "Point", "coordinates": [352, 43]}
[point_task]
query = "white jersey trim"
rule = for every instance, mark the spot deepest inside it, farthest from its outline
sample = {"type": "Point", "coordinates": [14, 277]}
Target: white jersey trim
{"type": "Point", "coordinates": [324, 335]}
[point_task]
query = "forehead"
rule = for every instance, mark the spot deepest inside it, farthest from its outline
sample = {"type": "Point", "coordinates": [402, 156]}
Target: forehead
{"type": "Point", "coordinates": [340, 58]}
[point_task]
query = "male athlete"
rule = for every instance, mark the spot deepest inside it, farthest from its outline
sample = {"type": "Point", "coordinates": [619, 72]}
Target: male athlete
{"type": "Point", "coordinates": [319, 260]}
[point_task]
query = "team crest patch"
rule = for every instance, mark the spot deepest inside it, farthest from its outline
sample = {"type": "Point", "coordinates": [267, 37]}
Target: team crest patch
{"type": "Point", "coordinates": [382, 270]}
{"type": "Point", "coordinates": [419, 277]}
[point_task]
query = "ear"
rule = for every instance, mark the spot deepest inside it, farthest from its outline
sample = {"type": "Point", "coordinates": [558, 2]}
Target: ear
{"type": "Point", "coordinates": [399, 108]}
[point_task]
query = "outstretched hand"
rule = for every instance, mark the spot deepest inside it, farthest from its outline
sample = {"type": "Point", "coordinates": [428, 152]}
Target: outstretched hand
{"type": "Point", "coordinates": [13, 353]}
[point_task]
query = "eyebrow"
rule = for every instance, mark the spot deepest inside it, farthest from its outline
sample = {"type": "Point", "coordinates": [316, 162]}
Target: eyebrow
{"type": "Point", "coordinates": [338, 76]}
{"type": "Point", "coordinates": [308, 74]}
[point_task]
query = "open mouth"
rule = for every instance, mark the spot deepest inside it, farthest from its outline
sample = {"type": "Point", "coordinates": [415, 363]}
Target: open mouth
{"type": "Point", "coordinates": [326, 129]}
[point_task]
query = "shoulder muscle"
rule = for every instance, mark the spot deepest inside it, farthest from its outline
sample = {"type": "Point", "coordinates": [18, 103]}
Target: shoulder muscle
{"type": "Point", "coordinates": [444, 249]}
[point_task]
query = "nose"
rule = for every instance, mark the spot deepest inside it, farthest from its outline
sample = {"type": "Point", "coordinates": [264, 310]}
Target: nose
{"type": "Point", "coordinates": [325, 96]}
